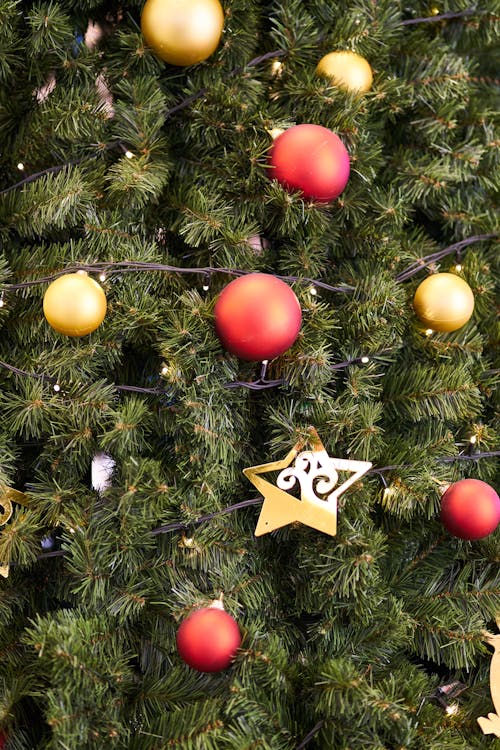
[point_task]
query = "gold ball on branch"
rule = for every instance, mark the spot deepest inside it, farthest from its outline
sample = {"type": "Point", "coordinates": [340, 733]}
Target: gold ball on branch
{"type": "Point", "coordinates": [444, 302]}
{"type": "Point", "coordinates": [346, 69]}
{"type": "Point", "coordinates": [74, 304]}
{"type": "Point", "coordinates": [182, 32]}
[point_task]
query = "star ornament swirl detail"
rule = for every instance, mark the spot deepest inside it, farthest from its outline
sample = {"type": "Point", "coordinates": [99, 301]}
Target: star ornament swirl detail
{"type": "Point", "coordinates": [316, 474]}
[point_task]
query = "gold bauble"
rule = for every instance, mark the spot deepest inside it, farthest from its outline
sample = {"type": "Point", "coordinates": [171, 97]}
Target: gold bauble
{"type": "Point", "coordinates": [444, 302]}
{"type": "Point", "coordinates": [182, 32]}
{"type": "Point", "coordinates": [347, 70]}
{"type": "Point", "coordinates": [74, 304]}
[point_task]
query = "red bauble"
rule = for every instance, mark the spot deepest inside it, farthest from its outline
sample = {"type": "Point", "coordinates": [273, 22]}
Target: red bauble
{"type": "Point", "coordinates": [208, 639]}
{"type": "Point", "coordinates": [312, 159]}
{"type": "Point", "coordinates": [470, 509]}
{"type": "Point", "coordinates": [257, 317]}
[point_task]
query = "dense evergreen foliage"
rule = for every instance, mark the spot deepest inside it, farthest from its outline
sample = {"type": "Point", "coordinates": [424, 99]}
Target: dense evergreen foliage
{"type": "Point", "coordinates": [114, 161]}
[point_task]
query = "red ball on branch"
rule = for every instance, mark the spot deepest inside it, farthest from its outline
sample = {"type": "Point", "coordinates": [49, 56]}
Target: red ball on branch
{"type": "Point", "coordinates": [257, 317]}
{"type": "Point", "coordinates": [470, 509]}
{"type": "Point", "coordinates": [312, 159]}
{"type": "Point", "coordinates": [207, 640]}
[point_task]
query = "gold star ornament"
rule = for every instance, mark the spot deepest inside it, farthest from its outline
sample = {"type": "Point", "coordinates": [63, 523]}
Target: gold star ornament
{"type": "Point", "coordinates": [491, 723]}
{"type": "Point", "coordinates": [7, 496]}
{"type": "Point", "coordinates": [315, 475]}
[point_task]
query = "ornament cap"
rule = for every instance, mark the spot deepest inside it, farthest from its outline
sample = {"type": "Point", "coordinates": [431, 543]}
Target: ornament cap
{"type": "Point", "coordinates": [217, 603]}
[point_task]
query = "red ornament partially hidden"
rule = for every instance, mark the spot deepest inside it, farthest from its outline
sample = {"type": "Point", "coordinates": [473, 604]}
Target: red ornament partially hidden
{"type": "Point", "coordinates": [3, 739]}
{"type": "Point", "coordinates": [470, 509]}
{"type": "Point", "coordinates": [257, 317]}
{"type": "Point", "coordinates": [312, 159]}
{"type": "Point", "coordinates": [207, 640]}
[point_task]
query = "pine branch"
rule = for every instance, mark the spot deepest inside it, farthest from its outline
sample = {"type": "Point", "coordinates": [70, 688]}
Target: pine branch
{"type": "Point", "coordinates": [137, 266]}
{"type": "Point", "coordinates": [179, 525]}
{"type": "Point", "coordinates": [310, 735]}
{"type": "Point", "coordinates": [428, 260]}
{"type": "Point", "coordinates": [60, 167]}
{"type": "Point", "coordinates": [441, 17]}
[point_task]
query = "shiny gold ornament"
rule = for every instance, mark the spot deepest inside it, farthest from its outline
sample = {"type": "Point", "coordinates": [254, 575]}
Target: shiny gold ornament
{"type": "Point", "coordinates": [316, 474]}
{"type": "Point", "coordinates": [182, 32]}
{"type": "Point", "coordinates": [491, 724]}
{"type": "Point", "coordinates": [444, 302]}
{"type": "Point", "coordinates": [346, 69]}
{"type": "Point", "coordinates": [74, 304]}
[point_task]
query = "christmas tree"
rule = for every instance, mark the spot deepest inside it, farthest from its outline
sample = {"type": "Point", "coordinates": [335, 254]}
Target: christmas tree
{"type": "Point", "coordinates": [140, 171]}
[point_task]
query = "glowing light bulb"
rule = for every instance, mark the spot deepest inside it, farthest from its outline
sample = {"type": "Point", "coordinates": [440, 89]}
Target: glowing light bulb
{"type": "Point", "coordinates": [205, 287]}
{"type": "Point", "coordinates": [164, 370]}
{"type": "Point", "coordinates": [365, 359]}
{"type": "Point", "coordinates": [473, 439]}
{"type": "Point", "coordinates": [452, 709]}
{"type": "Point", "coordinates": [102, 277]}
{"type": "Point", "coordinates": [458, 268]}
{"type": "Point", "coordinates": [313, 291]}
{"type": "Point", "coordinates": [57, 387]}
{"type": "Point", "coordinates": [429, 332]}
{"type": "Point", "coordinates": [20, 166]}
{"type": "Point", "coordinates": [129, 154]}
{"type": "Point", "coordinates": [277, 68]}
{"type": "Point", "coordinates": [2, 303]}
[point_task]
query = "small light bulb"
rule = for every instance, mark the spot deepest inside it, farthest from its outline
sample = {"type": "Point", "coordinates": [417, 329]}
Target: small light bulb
{"type": "Point", "coordinates": [313, 291]}
{"type": "Point", "coordinates": [102, 277]}
{"type": "Point", "coordinates": [365, 359]}
{"type": "Point", "coordinates": [2, 303]}
{"type": "Point", "coordinates": [205, 287]}
{"type": "Point", "coordinates": [452, 709]}
{"type": "Point", "coordinates": [458, 268]}
{"type": "Point", "coordinates": [57, 387]}
{"type": "Point", "coordinates": [277, 68]}
{"type": "Point", "coordinates": [129, 154]}
{"type": "Point", "coordinates": [429, 332]}
{"type": "Point", "coordinates": [473, 439]}
{"type": "Point", "coordinates": [388, 491]}
{"type": "Point", "coordinates": [20, 166]}
{"type": "Point", "coordinates": [164, 370]}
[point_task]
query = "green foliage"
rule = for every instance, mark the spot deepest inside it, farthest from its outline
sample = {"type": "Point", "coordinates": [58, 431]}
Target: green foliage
{"type": "Point", "coordinates": [113, 160]}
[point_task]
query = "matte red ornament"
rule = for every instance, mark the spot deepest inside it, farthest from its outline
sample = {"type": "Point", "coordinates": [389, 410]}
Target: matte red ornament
{"type": "Point", "coordinates": [312, 159]}
{"type": "Point", "coordinates": [257, 317]}
{"type": "Point", "coordinates": [207, 640]}
{"type": "Point", "coordinates": [470, 509]}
